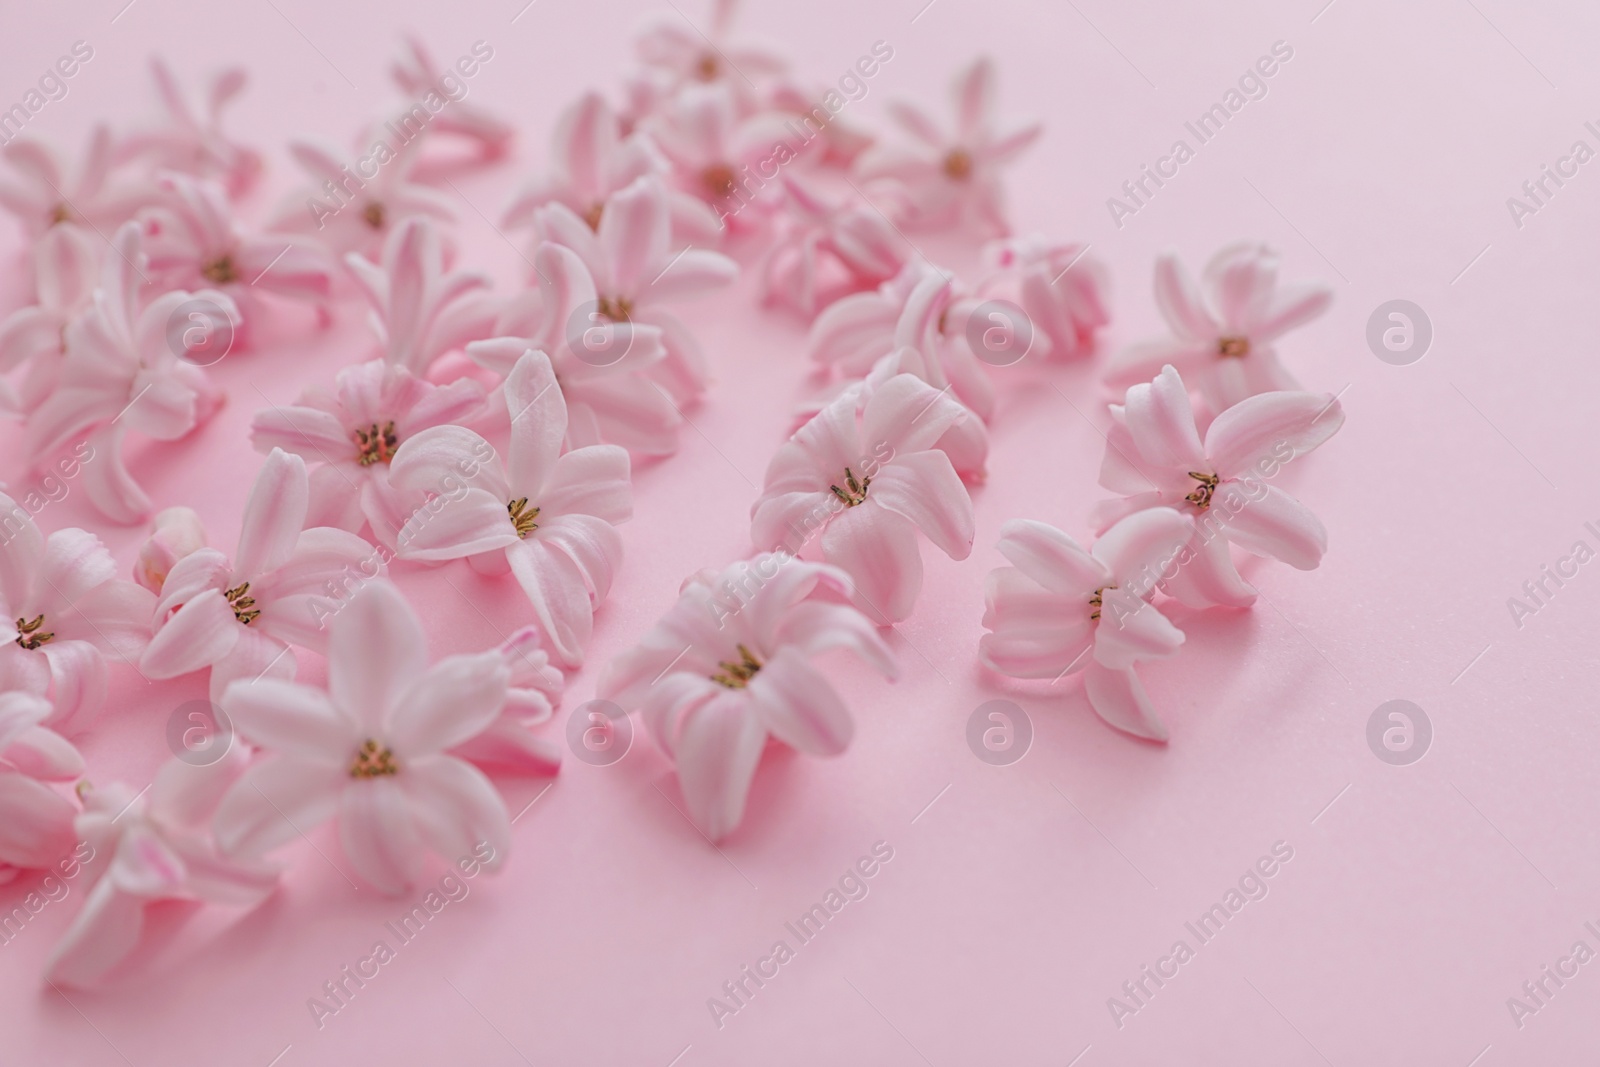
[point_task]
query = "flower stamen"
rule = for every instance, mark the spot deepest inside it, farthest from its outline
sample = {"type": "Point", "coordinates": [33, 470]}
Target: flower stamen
{"type": "Point", "coordinates": [1097, 600]}
{"type": "Point", "coordinates": [617, 309]}
{"type": "Point", "coordinates": [719, 179]}
{"type": "Point", "coordinates": [857, 492]}
{"type": "Point", "coordinates": [708, 68]}
{"type": "Point", "coordinates": [372, 760]}
{"type": "Point", "coordinates": [220, 271]}
{"type": "Point", "coordinates": [1201, 497]}
{"type": "Point", "coordinates": [373, 214]}
{"type": "Point", "coordinates": [593, 215]}
{"type": "Point", "coordinates": [244, 606]}
{"type": "Point", "coordinates": [59, 214]}
{"type": "Point", "coordinates": [524, 518]}
{"type": "Point", "coordinates": [29, 635]}
{"type": "Point", "coordinates": [958, 165]}
{"type": "Point", "coordinates": [1233, 347]}
{"type": "Point", "coordinates": [737, 675]}
{"type": "Point", "coordinates": [376, 445]}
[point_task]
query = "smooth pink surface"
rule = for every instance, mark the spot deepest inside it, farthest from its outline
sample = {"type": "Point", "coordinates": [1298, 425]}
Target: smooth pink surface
{"type": "Point", "coordinates": [1020, 898]}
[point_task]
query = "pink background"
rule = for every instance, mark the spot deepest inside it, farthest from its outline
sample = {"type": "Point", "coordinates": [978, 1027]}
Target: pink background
{"type": "Point", "coordinates": [1414, 905]}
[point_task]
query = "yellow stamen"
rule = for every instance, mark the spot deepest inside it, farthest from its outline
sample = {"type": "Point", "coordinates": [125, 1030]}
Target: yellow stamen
{"type": "Point", "coordinates": [1201, 497]}
{"type": "Point", "coordinates": [737, 675]}
{"type": "Point", "coordinates": [719, 179]}
{"type": "Point", "coordinates": [524, 518]}
{"type": "Point", "coordinates": [1233, 347]}
{"type": "Point", "coordinates": [376, 445]}
{"type": "Point", "coordinates": [29, 635]}
{"type": "Point", "coordinates": [372, 760]}
{"type": "Point", "coordinates": [374, 215]}
{"type": "Point", "coordinates": [856, 492]}
{"type": "Point", "coordinates": [244, 607]}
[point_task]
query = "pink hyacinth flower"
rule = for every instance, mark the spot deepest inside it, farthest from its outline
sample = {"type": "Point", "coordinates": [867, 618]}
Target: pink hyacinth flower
{"type": "Point", "coordinates": [354, 212]}
{"type": "Point", "coordinates": [630, 260]}
{"type": "Point", "coordinates": [953, 176]}
{"type": "Point", "coordinates": [728, 666]}
{"type": "Point", "coordinates": [854, 332]}
{"type": "Point", "coordinates": [49, 194]}
{"type": "Point", "coordinates": [1156, 457]}
{"type": "Point", "coordinates": [725, 160]}
{"type": "Point", "coordinates": [66, 266]}
{"type": "Point", "coordinates": [1060, 287]}
{"type": "Point", "coordinates": [148, 849]}
{"type": "Point", "coordinates": [1224, 340]}
{"type": "Point", "coordinates": [591, 161]}
{"type": "Point", "coordinates": [417, 75]}
{"type": "Point", "coordinates": [676, 50]}
{"type": "Point", "coordinates": [35, 820]}
{"type": "Point", "coordinates": [824, 246]}
{"type": "Point", "coordinates": [373, 748]}
{"type": "Point", "coordinates": [352, 433]}
{"type": "Point", "coordinates": [284, 582]}
{"type": "Point", "coordinates": [191, 144]}
{"type": "Point", "coordinates": [603, 362]}
{"type": "Point", "coordinates": [509, 745]}
{"type": "Point", "coordinates": [63, 610]}
{"type": "Point", "coordinates": [127, 369]}
{"type": "Point", "coordinates": [1061, 609]}
{"type": "Point", "coordinates": [193, 241]}
{"type": "Point", "coordinates": [178, 533]}
{"type": "Point", "coordinates": [868, 481]}
{"type": "Point", "coordinates": [419, 310]}
{"type": "Point", "coordinates": [550, 517]}
{"type": "Point", "coordinates": [928, 340]}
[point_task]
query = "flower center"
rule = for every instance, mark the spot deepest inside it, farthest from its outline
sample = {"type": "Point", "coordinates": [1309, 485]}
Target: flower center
{"type": "Point", "coordinates": [375, 444]}
{"type": "Point", "coordinates": [856, 491]}
{"type": "Point", "coordinates": [524, 518]}
{"type": "Point", "coordinates": [29, 635]}
{"type": "Point", "coordinates": [737, 675]}
{"type": "Point", "coordinates": [60, 213]}
{"type": "Point", "coordinates": [221, 271]}
{"type": "Point", "coordinates": [592, 216]}
{"type": "Point", "coordinates": [1201, 497]}
{"type": "Point", "coordinates": [958, 165]}
{"type": "Point", "coordinates": [617, 309]}
{"type": "Point", "coordinates": [374, 215]}
{"type": "Point", "coordinates": [707, 69]}
{"type": "Point", "coordinates": [719, 179]}
{"type": "Point", "coordinates": [1233, 347]}
{"type": "Point", "coordinates": [372, 760]}
{"type": "Point", "coordinates": [244, 606]}
{"type": "Point", "coordinates": [1096, 601]}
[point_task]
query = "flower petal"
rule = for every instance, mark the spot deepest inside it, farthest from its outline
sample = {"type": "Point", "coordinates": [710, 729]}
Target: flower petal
{"type": "Point", "coordinates": [1275, 525]}
{"type": "Point", "coordinates": [276, 800]}
{"type": "Point", "coordinates": [456, 699]}
{"type": "Point", "coordinates": [273, 516]}
{"type": "Point", "coordinates": [878, 549]}
{"type": "Point", "coordinates": [1131, 629]}
{"type": "Point", "coordinates": [457, 811]}
{"type": "Point", "coordinates": [288, 717]}
{"type": "Point", "coordinates": [799, 706]}
{"type": "Point", "coordinates": [559, 594]}
{"type": "Point", "coordinates": [198, 634]}
{"type": "Point", "coordinates": [380, 835]}
{"type": "Point", "coordinates": [377, 652]}
{"type": "Point", "coordinates": [925, 488]}
{"type": "Point", "coordinates": [1139, 546]}
{"type": "Point", "coordinates": [718, 748]}
{"type": "Point", "coordinates": [1271, 427]}
{"type": "Point", "coordinates": [1161, 421]}
{"type": "Point", "coordinates": [1051, 558]}
{"type": "Point", "coordinates": [1119, 698]}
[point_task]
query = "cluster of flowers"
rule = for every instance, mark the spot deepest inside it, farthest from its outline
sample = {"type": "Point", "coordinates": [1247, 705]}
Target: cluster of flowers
{"type": "Point", "coordinates": [502, 429]}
